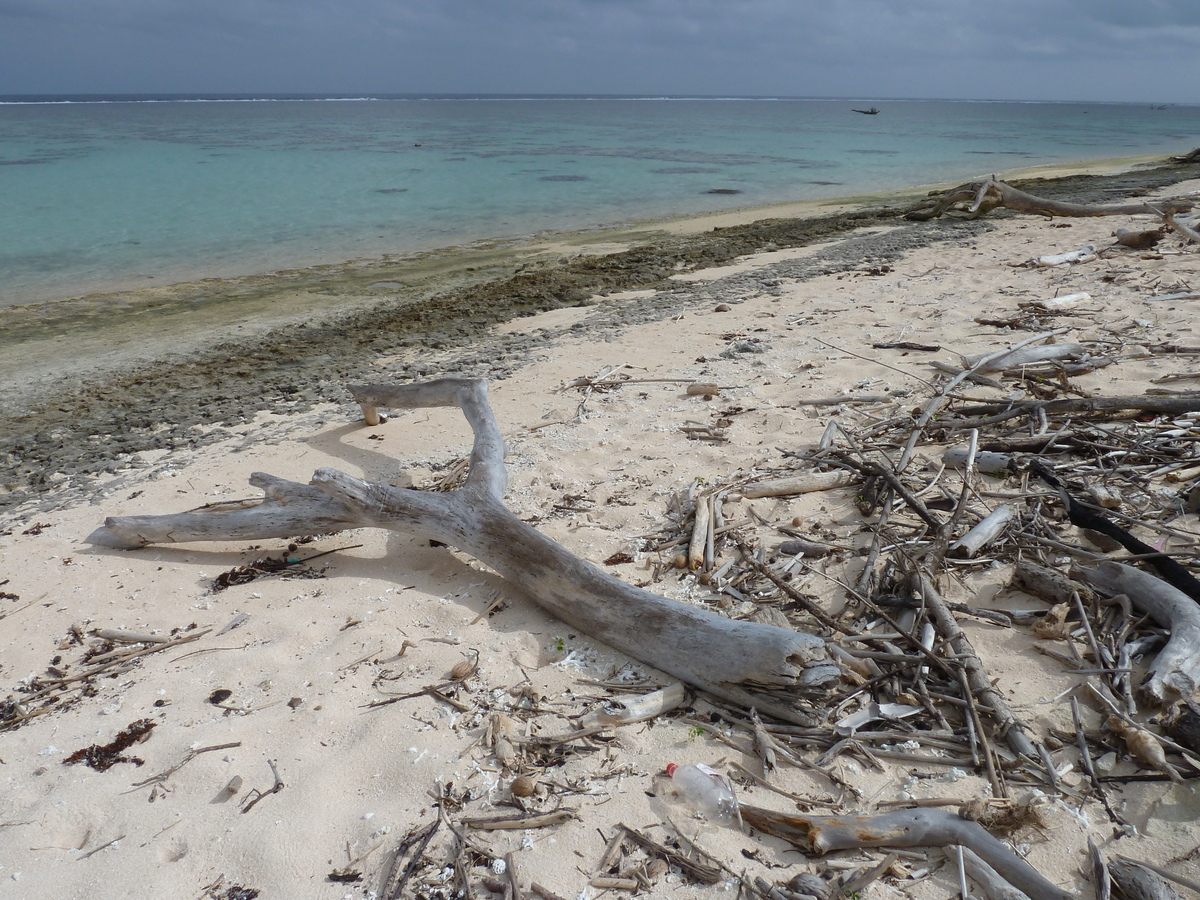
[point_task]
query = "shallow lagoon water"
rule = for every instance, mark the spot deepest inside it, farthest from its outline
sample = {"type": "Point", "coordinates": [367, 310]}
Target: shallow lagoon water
{"type": "Point", "coordinates": [135, 192]}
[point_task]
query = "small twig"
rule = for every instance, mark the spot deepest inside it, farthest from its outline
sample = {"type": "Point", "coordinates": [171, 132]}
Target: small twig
{"type": "Point", "coordinates": [161, 777]}
{"type": "Point", "coordinates": [393, 884]}
{"type": "Point", "coordinates": [703, 873]}
{"type": "Point", "coordinates": [877, 362]}
{"type": "Point", "coordinates": [514, 881]}
{"type": "Point", "coordinates": [518, 822]}
{"type": "Point", "coordinates": [102, 847]}
{"type": "Point", "coordinates": [274, 789]}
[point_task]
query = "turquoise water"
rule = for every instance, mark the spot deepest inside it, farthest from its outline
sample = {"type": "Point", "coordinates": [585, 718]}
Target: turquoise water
{"type": "Point", "coordinates": [130, 192]}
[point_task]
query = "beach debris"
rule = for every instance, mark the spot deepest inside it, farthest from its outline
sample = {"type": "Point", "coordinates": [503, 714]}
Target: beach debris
{"type": "Point", "coordinates": [159, 780]}
{"type": "Point", "coordinates": [984, 196]}
{"type": "Point", "coordinates": [989, 882]}
{"type": "Point", "coordinates": [1190, 883]}
{"type": "Point", "coordinates": [43, 695]}
{"type": "Point", "coordinates": [1175, 672]}
{"type": "Point", "coordinates": [407, 857]}
{"type": "Point", "coordinates": [900, 829]}
{"type": "Point", "coordinates": [237, 621]}
{"type": "Point", "coordinates": [627, 710]}
{"type": "Point", "coordinates": [521, 821]}
{"type": "Point", "coordinates": [103, 757]}
{"type": "Point", "coordinates": [797, 484]}
{"type": "Point", "coordinates": [906, 345]}
{"type": "Point", "coordinates": [255, 795]}
{"type": "Point", "coordinates": [1143, 746]}
{"type": "Point", "coordinates": [121, 636]}
{"type": "Point", "coordinates": [522, 786]}
{"type": "Point", "coordinates": [742, 662]}
{"type": "Point", "coordinates": [286, 566]}
{"type": "Point", "coordinates": [231, 892]}
{"type": "Point", "coordinates": [1138, 240]}
{"type": "Point", "coordinates": [871, 564]}
{"type": "Point", "coordinates": [1022, 357]}
{"type": "Point", "coordinates": [1135, 880]}
{"type": "Point", "coordinates": [1086, 253]}
{"type": "Point", "coordinates": [696, 431]}
{"type": "Point", "coordinates": [989, 529]}
{"type": "Point", "coordinates": [700, 871]}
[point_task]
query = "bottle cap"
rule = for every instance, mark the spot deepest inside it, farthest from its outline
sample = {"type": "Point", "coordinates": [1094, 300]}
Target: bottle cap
{"type": "Point", "coordinates": [671, 767]}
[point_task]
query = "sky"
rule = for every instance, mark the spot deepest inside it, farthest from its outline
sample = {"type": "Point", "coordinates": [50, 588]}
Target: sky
{"type": "Point", "coordinates": [1100, 50]}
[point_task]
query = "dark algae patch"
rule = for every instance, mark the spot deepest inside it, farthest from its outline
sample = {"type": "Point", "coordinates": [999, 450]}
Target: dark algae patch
{"type": "Point", "coordinates": [104, 757]}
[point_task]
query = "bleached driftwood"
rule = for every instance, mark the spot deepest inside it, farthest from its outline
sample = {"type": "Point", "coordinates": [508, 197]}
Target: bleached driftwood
{"type": "Point", "coordinates": [990, 884]}
{"type": "Point", "coordinates": [904, 828]}
{"type": "Point", "coordinates": [746, 663]}
{"type": "Point", "coordinates": [806, 483]}
{"type": "Point", "coordinates": [634, 709]}
{"type": "Point", "coordinates": [990, 194]}
{"type": "Point", "coordinates": [986, 461]}
{"type": "Point", "coordinates": [1138, 240]}
{"type": "Point", "coordinates": [1137, 880]}
{"type": "Point", "coordinates": [1175, 672]}
{"type": "Point", "coordinates": [1058, 304]}
{"type": "Point", "coordinates": [1086, 253]}
{"type": "Point", "coordinates": [988, 530]}
{"type": "Point", "coordinates": [1183, 228]}
{"type": "Point", "coordinates": [1023, 356]}
{"type": "Point", "coordinates": [1012, 728]}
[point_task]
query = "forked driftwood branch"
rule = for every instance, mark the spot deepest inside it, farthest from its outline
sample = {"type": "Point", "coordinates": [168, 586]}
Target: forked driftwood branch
{"type": "Point", "coordinates": [1175, 672]}
{"type": "Point", "coordinates": [745, 663]}
{"type": "Point", "coordinates": [989, 194]}
{"type": "Point", "coordinates": [819, 835]}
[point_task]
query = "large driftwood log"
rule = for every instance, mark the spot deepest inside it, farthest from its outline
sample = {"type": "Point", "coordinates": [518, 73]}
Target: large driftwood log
{"type": "Point", "coordinates": [989, 194]}
{"type": "Point", "coordinates": [818, 835]}
{"type": "Point", "coordinates": [746, 663]}
{"type": "Point", "coordinates": [1175, 672]}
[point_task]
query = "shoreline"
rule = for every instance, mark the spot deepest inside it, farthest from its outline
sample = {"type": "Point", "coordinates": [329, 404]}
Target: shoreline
{"type": "Point", "coordinates": [112, 329]}
{"type": "Point", "coordinates": [130, 291]}
{"type": "Point", "coordinates": [158, 373]}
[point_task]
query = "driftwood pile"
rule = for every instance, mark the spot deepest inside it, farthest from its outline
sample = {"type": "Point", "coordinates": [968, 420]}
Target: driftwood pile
{"type": "Point", "coordinates": [1080, 497]}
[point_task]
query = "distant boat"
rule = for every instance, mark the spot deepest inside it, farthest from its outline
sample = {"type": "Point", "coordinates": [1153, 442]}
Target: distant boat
{"type": "Point", "coordinates": [873, 111]}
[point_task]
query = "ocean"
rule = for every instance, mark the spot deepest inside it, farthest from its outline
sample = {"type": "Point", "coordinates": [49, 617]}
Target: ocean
{"type": "Point", "coordinates": [122, 192]}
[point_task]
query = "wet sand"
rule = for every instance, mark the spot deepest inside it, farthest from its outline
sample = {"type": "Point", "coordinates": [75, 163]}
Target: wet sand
{"type": "Point", "coordinates": [88, 382]}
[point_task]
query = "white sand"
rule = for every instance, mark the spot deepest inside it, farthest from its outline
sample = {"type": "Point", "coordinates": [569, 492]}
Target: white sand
{"type": "Point", "coordinates": [358, 779]}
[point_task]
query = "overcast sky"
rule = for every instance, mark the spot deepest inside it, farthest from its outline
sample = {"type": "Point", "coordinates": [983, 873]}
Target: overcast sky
{"type": "Point", "coordinates": [1136, 50]}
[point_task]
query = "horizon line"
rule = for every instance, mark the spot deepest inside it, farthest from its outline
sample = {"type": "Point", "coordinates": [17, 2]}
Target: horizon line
{"type": "Point", "coordinates": [250, 96]}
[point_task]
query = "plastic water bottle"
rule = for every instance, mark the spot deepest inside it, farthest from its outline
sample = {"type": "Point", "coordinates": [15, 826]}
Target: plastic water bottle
{"type": "Point", "coordinates": [706, 791]}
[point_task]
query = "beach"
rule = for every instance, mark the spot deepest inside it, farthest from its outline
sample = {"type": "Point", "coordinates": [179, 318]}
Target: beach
{"type": "Point", "coordinates": [267, 764]}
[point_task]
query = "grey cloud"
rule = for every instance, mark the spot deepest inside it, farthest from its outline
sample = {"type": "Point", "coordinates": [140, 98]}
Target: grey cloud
{"type": "Point", "coordinates": [1039, 49]}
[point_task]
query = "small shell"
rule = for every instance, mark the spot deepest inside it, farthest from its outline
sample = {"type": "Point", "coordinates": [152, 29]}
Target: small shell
{"type": "Point", "coordinates": [680, 561]}
{"type": "Point", "coordinates": [522, 786]}
{"type": "Point", "coordinates": [656, 869]}
{"type": "Point", "coordinates": [1145, 747]}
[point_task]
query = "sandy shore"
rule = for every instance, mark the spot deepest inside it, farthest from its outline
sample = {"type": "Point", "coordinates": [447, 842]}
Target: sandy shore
{"type": "Point", "coordinates": [282, 672]}
{"type": "Point", "coordinates": [87, 384]}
